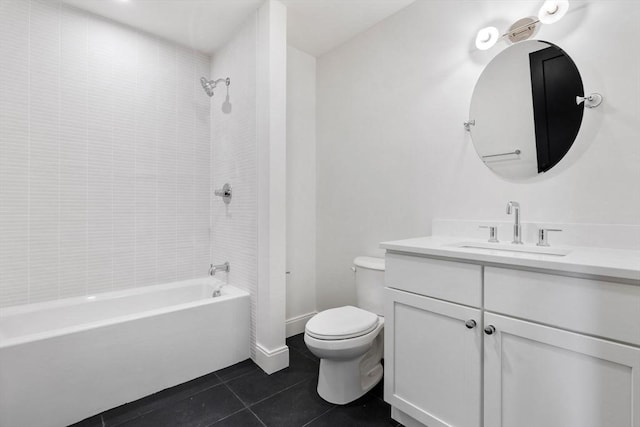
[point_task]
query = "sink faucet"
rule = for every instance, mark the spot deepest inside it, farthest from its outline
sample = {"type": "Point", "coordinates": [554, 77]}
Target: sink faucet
{"type": "Point", "coordinates": [517, 228]}
{"type": "Point", "coordinates": [221, 267]}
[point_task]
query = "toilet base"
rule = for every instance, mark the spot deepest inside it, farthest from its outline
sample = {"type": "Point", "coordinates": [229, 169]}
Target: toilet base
{"type": "Point", "coordinates": [342, 381]}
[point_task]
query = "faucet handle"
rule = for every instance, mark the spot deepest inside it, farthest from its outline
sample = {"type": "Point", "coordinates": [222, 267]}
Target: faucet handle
{"type": "Point", "coordinates": [543, 239]}
{"type": "Point", "coordinates": [493, 232]}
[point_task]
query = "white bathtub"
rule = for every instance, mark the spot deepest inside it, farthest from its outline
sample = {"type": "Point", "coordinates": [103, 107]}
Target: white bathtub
{"type": "Point", "coordinates": [65, 360]}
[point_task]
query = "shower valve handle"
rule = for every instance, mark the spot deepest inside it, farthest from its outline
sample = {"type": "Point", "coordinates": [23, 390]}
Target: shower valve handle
{"type": "Point", "coordinates": [225, 193]}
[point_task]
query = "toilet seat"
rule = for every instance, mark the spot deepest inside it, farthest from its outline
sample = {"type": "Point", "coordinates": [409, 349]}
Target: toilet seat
{"type": "Point", "coordinates": [341, 323]}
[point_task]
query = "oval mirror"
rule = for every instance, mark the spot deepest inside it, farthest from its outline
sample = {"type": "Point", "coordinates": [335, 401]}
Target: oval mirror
{"type": "Point", "coordinates": [524, 115]}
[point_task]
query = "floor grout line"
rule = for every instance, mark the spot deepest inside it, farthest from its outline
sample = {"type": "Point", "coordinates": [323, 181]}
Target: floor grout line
{"type": "Point", "coordinates": [279, 392]}
{"type": "Point", "coordinates": [227, 416]}
{"type": "Point", "coordinates": [257, 417]}
{"type": "Point", "coordinates": [237, 397]}
{"type": "Point", "coordinates": [245, 407]}
{"type": "Point", "coordinates": [319, 416]}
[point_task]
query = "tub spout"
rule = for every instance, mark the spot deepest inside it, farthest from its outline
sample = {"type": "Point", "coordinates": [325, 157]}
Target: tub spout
{"type": "Point", "coordinates": [221, 267]}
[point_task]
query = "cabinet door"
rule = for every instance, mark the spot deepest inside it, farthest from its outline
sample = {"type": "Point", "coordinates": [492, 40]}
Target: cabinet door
{"type": "Point", "coordinates": [542, 376]}
{"type": "Point", "coordinates": [432, 360]}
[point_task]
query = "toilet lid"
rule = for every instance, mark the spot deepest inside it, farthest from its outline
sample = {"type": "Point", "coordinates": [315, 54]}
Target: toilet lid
{"type": "Point", "coordinates": [341, 323]}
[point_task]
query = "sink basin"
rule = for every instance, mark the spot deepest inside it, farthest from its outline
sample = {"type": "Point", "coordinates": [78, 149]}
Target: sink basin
{"type": "Point", "coordinates": [510, 247]}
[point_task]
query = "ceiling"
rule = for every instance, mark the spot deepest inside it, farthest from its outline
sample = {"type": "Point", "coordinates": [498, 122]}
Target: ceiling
{"type": "Point", "coordinates": [314, 26]}
{"type": "Point", "coordinates": [317, 26]}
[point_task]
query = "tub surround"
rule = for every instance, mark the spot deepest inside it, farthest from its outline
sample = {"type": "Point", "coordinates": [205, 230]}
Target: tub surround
{"type": "Point", "coordinates": [80, 356]}
{"type": "Point", "coordinates": [104, 135]}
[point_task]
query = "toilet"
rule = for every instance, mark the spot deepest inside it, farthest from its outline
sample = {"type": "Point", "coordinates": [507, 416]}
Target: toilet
{"type": "Point", "coordinates": [349, 340]}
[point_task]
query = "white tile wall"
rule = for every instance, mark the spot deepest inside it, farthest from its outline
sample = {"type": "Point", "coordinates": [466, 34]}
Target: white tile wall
{"type": "Point", "coordinates": [104, 156]}
{"type": "Point", "coordinates": [234, 227]}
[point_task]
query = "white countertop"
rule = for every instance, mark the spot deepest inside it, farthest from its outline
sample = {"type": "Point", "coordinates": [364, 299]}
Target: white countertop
{"type": "Point", "coordinates": [612, 263]}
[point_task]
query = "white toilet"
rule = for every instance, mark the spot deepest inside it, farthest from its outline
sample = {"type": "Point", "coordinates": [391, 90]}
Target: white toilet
{"type": "Point", "coordinates": [349, 340]}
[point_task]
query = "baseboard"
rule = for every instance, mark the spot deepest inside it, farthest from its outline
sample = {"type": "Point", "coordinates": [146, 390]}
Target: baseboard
{"type": "Point", "coordinates": [272, 361]}
{"type": "Point", "coordinates": [295, 325]}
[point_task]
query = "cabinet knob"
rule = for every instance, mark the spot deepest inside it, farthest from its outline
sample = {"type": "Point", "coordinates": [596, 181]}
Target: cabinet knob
{"type": "Point", "coordinates": [490, 330]}
{"type": "Point", "coordinates": [470, 324]}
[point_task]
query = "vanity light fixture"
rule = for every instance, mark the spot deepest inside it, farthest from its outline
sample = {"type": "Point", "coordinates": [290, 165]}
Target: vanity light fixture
{"type": "Point", "coordinates": [550, 12]}
{"type": "Point", "coordinates": [487, 37]}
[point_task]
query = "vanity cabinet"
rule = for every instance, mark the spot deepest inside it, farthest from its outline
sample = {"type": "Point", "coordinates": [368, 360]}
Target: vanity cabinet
{"type": "Point", "coordinates": [545, 350]}
{"type": "Point", "coordinates": [433, 371]}
{"type": "Point", "coordinates": [535, 375]}
{"type": "Point", "coordinates": [433, 344]}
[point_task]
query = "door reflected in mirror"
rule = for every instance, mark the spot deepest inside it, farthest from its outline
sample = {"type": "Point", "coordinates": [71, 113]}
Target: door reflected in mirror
{"type": "Point", "coordinates": [523, 109]}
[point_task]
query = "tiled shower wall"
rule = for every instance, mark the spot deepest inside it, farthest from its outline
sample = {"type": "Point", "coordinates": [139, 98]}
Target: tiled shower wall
{"type": "Point", "coordinates": [104, 156]}
{"type": "Point", "coordinates": [234, 227]}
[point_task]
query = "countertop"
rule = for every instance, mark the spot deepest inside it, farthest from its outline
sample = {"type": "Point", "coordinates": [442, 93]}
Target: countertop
{"type": "Point", "coordinates": [589, 261]}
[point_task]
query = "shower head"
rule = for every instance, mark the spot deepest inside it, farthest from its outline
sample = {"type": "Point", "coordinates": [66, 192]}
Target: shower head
{"type": "Point", "coordinates": [209, 85]}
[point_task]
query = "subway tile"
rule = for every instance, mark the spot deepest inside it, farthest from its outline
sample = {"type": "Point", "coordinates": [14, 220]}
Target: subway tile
{"type": "Point", "coordinates": [106, 151]}
{"type": "Point", "coordinates": [103, 167]}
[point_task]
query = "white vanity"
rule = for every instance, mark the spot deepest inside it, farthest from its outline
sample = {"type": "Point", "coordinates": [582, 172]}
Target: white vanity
{"type": "Point", "coordinates": [476, 336]}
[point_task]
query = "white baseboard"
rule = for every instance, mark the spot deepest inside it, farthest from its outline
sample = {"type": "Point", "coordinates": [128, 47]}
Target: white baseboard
{"type": "Point", "coordinates": [295, 325]}
{"type": "Point", "coordinates": [272, 361]}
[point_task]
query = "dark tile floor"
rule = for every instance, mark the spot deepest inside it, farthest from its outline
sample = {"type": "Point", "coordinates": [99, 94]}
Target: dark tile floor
{"type": "Point", "coordinates": [243, 395]}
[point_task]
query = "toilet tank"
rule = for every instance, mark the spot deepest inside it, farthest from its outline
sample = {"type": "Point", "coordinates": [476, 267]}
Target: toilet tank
{"type": "Point", "coordinates": [369, 283]}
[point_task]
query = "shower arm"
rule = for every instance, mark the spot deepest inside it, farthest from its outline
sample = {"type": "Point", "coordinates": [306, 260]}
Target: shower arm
{"type": "Point", "coordinates": [214, 83]}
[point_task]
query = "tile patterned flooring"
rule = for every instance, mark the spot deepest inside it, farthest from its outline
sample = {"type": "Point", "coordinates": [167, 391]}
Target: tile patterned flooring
{"type": "Point", "coordinates": [242, 395]}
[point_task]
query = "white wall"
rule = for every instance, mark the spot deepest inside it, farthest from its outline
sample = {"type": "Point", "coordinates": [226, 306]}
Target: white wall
{"type": "Point", "coordinates": [234, 227]}
{"type": "Point", "coordinates": [104, 156]}
{"type": "Point", "coordinates": [392, 152]}
{"type": "Point", "coordinates": [249, 152]}
{"type": "Point", "coordinates": [301, 189]}
{"type": "Point", "coordinates": [272, 353]}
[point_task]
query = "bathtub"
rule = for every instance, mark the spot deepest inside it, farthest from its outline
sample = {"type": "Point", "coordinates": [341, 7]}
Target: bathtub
{"type": "Point", "coordinates": [65, 360]}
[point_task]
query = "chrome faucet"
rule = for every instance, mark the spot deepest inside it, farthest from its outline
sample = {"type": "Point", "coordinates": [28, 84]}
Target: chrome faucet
{"type": "Point", "coordinates": [221, 267]}
{"type": "Point", "coordinates": [517, 228]}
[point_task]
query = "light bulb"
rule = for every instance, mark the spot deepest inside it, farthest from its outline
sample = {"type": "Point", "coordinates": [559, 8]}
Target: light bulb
{"type": "Point", "coordinates": [487, 37]}
{"type": "Point", "coordinates": [553, 11]}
